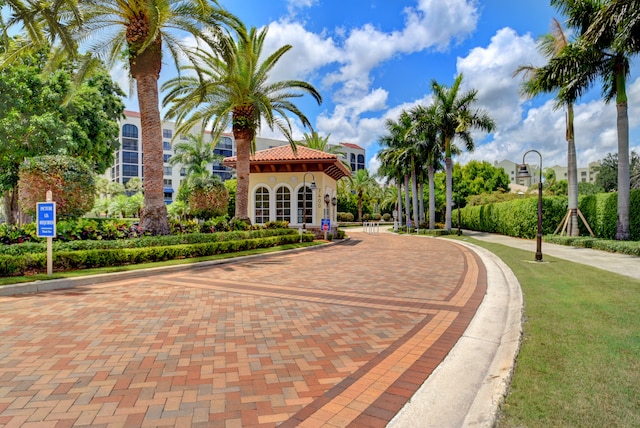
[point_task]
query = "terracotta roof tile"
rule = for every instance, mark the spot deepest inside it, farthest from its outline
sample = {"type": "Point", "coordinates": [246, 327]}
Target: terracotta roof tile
{"type": "Point", "coordinates": [285, 153]}
{"type": "Point", "coordinates": [351, 145]}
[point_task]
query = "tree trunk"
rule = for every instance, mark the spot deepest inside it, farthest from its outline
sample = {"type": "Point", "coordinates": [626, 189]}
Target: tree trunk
{"type": "Point", "coordinates": [572, 175]}
{"type": "Point", "coordinates": [11, 208]}
{"type": "Point", "coordinates": [432, 198]}
{"type": "Point", "coordinates": [154, 214]}
{"type": "Point", "coordinates": [421, 200]}
{"type": "Point", "coordinates": [399, 211]}
{"type": "Point", "coordinates": [449, 186]}
{"type": "Point", "coordinates": [406, 199]}
{"type": "Point", "coordinates": [243, 137]}
{"type": "Point", "coordinates": [414, 195]}
{"type": "Point", "coordinates": [623, 231]}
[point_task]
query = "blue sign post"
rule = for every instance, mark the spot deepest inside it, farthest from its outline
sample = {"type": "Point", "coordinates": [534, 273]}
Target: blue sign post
{"type": "Point", "coordinates": [46, 219]}
{"type": "Point", "coordinates": [46, 226]}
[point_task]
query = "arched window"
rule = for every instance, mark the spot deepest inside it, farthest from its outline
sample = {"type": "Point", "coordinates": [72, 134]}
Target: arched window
{"type": "Point", "coordinates": [360, 162]}
{"type": "Point", "coordinates": [305, 205]}
{"type": "Point", "coordinates": [262, 205]}
{"type": "Point", "coordinates": [129, 131]}
{"type": "Point", "coordinates": [283, 204]}
{"type": "Point", "coordinates": [353, 162]}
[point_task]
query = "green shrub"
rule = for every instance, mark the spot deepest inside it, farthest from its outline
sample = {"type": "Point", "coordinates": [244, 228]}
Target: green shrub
{"type": "Point", "coordinates": [346, 217]}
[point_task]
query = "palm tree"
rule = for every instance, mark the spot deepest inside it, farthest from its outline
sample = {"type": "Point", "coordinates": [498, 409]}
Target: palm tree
{"type": "Point", "coordinates": [551, 45]}
{"type": "Point", "coordinates": [313, 140]}
{"type": "Point", "coordinates": [455, 119]}
{"type": "Point", "coordinates": [233, 88]}
{"type": "Point", "coordinates": [600, 54]}
{"type": "Point", "coordinates": [392, 170]}
{"type": "Point", "coordinates": [360, 184]}
{"type": "Point", "coordinates": [136, 31]}
{"type": "Point", "coordinates": [426, 129]}
{"type": "Point", "coordinates": [195, 155]}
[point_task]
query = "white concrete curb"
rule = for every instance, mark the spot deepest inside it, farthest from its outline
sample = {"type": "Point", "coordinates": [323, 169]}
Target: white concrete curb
{"type": "Point", "coordinates": [468, 387]}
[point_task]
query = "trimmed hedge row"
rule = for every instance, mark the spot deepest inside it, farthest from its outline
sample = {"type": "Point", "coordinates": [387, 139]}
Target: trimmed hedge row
{"type": "Point", "coordinates": [519, 218]}
{"type": "Point", "coordinates": [144, 241]}
{"type": "Point", "coordinates": [623, 247]}
{"type": "Point", "coordinates": [93, 258]}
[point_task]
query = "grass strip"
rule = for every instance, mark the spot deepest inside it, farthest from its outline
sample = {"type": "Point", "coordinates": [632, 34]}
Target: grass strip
{"type": "Point", "coordinates": [579, 364]}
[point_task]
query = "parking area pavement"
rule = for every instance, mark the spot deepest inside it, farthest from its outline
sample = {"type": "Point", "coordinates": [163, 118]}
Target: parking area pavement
{"type": "Point", "coordinates": [342, 335]}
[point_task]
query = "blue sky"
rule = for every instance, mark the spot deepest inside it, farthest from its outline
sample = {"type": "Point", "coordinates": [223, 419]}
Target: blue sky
{"type": "Point", "coordinates": [370, 59]}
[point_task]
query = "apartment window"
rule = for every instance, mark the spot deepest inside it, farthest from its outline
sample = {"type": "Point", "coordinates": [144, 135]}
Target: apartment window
{"type": "Point", "coordinates": [168, 170]}
{"type": "Point", "coordinates": [583, 174]}
{"type": "Point", "coordinates": [262, 205]}
{"type": "Point", "coordinates": [167, 182]}
{"type": "Point", "coordinates": [166, 145]}
{"type": "Point", "coordinates": [166, 157]}
{"type": "Point", "coordinates": [283, 204]}
{"type": "Point", "coordinates": [129, 157]}
{"type": "Point", "coordinates": [353, 162]}
{"type": "Point", "coordinates": [360, 162]}
{"type": "Point", "coordinates": [129, 170]}
{"type": "Point", "coordinates": [129, 131]}
{"type": "Point", "coordinates": [166, 133]}
{"type": "Point", "coordinates": [129, 144]}
{"type": "Point", "coordinates": [183, 172]}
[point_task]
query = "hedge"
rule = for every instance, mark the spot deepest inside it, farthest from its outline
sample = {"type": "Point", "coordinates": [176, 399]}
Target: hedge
{"type": "Point", "coordinates": [145, 241]}
{"type": "Point", "coordinates": [519, 218]}
{"type": "Point", "coordinates": [93, 258]}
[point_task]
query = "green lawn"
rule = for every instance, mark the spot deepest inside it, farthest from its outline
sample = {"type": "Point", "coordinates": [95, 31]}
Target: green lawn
{"type": "Point", "coordinates": [579, 364]}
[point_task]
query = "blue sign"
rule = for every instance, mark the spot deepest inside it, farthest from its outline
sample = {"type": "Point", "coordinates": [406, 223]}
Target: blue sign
{"type": "Point", "coordinates": [46, 219]}
{"type": "Point", "coordinates": [325, 225]}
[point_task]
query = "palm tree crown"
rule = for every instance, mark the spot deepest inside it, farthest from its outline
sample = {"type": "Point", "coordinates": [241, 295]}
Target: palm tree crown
{"type": "Point", "coordinates": [233, 88]}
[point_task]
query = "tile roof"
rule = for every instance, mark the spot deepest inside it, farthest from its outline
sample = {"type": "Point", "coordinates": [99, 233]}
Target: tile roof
{"type": "Point", "coordinates": [351, 145]}
{"type": "Point", "coordinates": [285, 153]}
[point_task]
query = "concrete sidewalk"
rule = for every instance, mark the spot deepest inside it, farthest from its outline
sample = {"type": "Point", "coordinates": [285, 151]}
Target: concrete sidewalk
{"type": "Point", "coordinates": [622, 264]}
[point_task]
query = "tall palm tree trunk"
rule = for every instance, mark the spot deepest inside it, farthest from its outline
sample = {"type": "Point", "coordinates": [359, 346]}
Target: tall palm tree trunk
{"type": "Point", "coordinates": [572, 172]}
{"type": "Point", "coordinates": [432, 198]}
{"type": "Point", "coordinates": [421, 200]}
{"type": "Point", "coordinates": [406, 198]}
{"type": "Point", "coordinates": [243, 138]}
{"type": "Point", "coordinates": [624, 181]}
{"type": "Point", "coordinates": [414, 195]}
{"type": "Point", "coordinates": [399, 212]}
{"type": "Point", "coordinates": [154, 214]}
{"type": "Point", "coordinates": [449, 186]}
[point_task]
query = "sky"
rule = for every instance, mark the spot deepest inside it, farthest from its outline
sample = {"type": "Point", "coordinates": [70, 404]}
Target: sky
{"type": "Point", "coordinates": [372, 59]}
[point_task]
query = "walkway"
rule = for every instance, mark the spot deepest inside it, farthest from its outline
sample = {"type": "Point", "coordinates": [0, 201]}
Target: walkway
{"type": "Point", "coordinates": [343, 335]}
{"type": "Point", "coordinates": [622, 264]}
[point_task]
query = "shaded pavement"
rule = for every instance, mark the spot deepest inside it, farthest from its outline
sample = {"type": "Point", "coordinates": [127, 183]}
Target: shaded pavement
{"type": "Point", "coordinates": [341, 335]}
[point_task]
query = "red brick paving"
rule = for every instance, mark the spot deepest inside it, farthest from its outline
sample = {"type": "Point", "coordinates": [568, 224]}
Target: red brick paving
{"type": "Point", "coordinates": [339, 336]}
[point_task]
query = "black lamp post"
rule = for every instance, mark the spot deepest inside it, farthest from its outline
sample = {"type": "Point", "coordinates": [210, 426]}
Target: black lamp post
{"type": "Point", "coordinates": [312, 186]}
{"type": "Point", "coordinates": [523, 172]}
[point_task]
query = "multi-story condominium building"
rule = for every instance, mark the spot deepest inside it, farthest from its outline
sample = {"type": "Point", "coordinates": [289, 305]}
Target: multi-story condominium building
{"type": "Point", "coordinates": [585, 175]}
{"type": "Point", "coordinates": [128, 162]}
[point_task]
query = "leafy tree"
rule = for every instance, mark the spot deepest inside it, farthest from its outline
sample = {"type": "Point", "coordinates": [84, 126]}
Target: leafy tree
{"type": "Point", "coordinates": [585, 188]}
{"type": "Point", "coordinates": [476, 178]}
{"type": "Point", "coordinates": [69, 179]}
{"type": "Point", "coordinates": [234, 88]}
{"type": "Point", "coordinates": [207, 197]}
{"type": "Point", "coordinates": [456, 118]}
{"type": "Point", "coordinates": [43, 114]}
{"type": "Point", "coordinates": [607, 177]}
{"type": "Point", "coordinates": [136, 31]}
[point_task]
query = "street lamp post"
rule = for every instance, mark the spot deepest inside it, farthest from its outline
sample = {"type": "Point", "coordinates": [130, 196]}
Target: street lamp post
{"type": "Point", "coordinates": [523, 172]}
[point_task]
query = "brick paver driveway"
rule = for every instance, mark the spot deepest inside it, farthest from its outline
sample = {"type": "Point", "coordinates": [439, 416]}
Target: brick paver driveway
{"type": "Point", "coordinates": [338, 336]}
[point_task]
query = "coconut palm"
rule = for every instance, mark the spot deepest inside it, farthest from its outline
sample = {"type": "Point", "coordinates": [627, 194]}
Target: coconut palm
{"type": "Point", "coordinates": [456, 118]}
{"type": "Point", "coordinates": [551, 45]}
{"type": "Point", "coordinates": [392, 170]}
{"type": "Point", "coordinates": [195, 155]}
{"type": "Point", "coordinates": [313, 140]}
{"type": "Point", "coordinates": [234, 88]}
{"type": "Point", "coordinates": [136, 31]}
{"type": "Point", "coordinates": [430, 144]}
{"type": "Point", "coordinates": [601, 54]}
{"type": "Point", "coordinates": [360, 184]}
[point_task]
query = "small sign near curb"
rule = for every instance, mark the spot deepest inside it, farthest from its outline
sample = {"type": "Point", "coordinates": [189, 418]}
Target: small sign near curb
{"type": "Point", "coordinates": [46, 219]}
